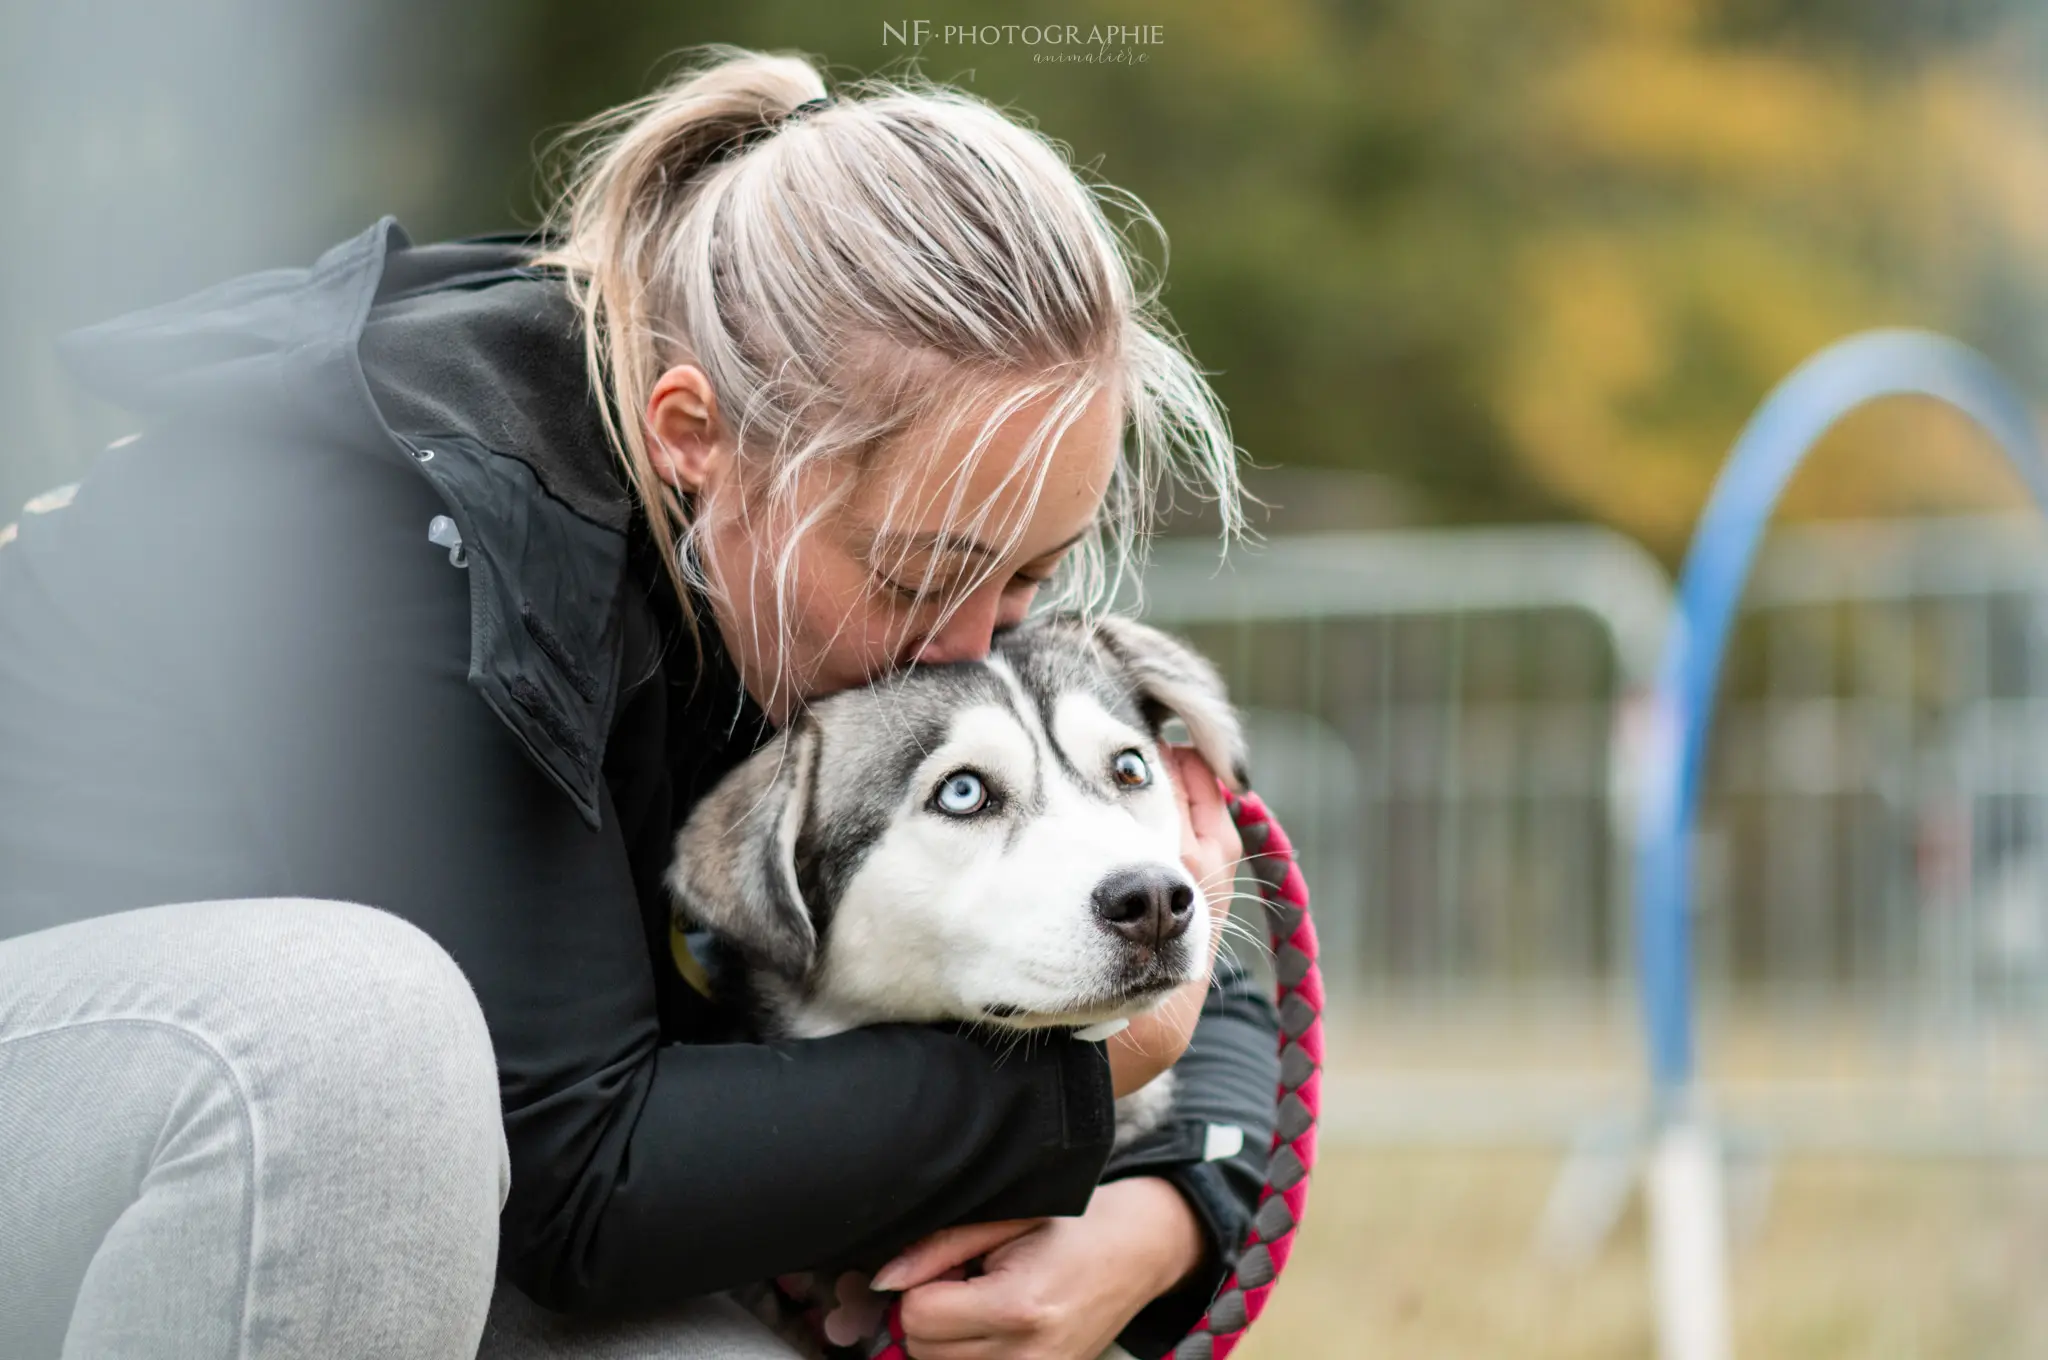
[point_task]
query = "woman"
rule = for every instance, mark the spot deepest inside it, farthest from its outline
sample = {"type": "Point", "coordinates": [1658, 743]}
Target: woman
{"type": "Point", "coordinates": [348, 711]}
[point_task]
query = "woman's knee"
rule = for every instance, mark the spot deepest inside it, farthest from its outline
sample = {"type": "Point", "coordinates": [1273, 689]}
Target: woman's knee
{"type": "Point", "coordinates": [334, 1068]}
{"type": "Point", "coordinates": [340, 1021]}
{"type": "Point", "coordinates": [378, 1020]}
{"type": "Point", "coordinates": [338, 968]}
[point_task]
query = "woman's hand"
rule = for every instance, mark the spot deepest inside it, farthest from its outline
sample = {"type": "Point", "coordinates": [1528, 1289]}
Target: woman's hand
{"type": "Point", "coordinates": [1051, 1288]}
{"type": "Point", "coordinates": [1209, 850]}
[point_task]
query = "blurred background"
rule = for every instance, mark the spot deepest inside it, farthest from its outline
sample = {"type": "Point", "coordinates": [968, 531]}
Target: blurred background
{"type": "Point", "coordinates": [1488, 288]}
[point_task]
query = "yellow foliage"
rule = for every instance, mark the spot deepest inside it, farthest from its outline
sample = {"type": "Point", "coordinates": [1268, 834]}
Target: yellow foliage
{"type": "Point", "coordinates": [1738, 120]}
{"type": "Point", "coordinates": [1748, 208]}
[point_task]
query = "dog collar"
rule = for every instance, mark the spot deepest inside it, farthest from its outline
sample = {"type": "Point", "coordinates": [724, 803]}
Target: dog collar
{"type": "Point", "coordinates": [687, 963]}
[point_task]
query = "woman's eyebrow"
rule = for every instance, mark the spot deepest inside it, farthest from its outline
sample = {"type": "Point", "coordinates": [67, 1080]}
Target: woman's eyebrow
{"type": "Point", "coordinates": [942, 540]}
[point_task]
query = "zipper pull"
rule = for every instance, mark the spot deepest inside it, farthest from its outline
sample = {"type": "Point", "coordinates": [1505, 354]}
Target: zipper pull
{"type": "Point", "coordinates": [442, 533]}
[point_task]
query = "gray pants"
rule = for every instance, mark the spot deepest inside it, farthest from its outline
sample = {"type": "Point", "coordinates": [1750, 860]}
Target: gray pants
{"type": "Point", "coordinates": [267, 1130]}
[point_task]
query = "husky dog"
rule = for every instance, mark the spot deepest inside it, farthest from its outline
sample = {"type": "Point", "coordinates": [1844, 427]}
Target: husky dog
{"type": "Point", "coordinates": [994, 841]}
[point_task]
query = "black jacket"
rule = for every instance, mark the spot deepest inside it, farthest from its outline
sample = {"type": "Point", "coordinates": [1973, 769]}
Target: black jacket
{"type": "Point", "coordinates": [234, 665]}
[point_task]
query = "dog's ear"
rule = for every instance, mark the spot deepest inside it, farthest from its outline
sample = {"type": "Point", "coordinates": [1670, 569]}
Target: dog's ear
{"type": "Point", "coordinates": [735, 864]}
{"type": "Point", "coordinates": [1173, 679]}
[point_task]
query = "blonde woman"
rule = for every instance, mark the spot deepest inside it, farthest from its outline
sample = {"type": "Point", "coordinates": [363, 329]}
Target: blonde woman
{"type": "Point", "coordinates": [347, 713]}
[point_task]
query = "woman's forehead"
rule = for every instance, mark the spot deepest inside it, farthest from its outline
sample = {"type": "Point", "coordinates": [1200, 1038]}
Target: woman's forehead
{"type": "Point", "coordinates": [963, 498]}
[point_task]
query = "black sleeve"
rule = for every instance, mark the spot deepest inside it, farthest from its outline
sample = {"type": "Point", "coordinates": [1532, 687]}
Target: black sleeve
{"type": "Point", "coordinates": [319, 645]}
{"type": "Point", "coordinates": [1223, 1096]}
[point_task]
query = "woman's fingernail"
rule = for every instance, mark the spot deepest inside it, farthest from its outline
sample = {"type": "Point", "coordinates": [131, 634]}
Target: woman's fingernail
{"type": "Point", "coordinates": [888, 1279]}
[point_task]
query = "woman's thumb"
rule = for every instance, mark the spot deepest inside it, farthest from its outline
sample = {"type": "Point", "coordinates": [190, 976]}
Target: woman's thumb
{"type": "Point", "coordinates": [949, 1247]}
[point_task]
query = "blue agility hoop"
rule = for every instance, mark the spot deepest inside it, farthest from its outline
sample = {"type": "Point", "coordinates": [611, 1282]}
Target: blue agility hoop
{"type": "Point", "coordinates": [1797, 413]}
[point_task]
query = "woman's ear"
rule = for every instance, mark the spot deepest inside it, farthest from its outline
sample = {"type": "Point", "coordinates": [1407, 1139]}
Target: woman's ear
{"type": "Point", "coordinates": [684, 436]}
{"type": "Point", "coordinates": [735, 865]}
{"type": "Point", "coordinates": [1173, 679]}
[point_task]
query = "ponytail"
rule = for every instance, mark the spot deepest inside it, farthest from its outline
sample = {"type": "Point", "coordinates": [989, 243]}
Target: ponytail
{"type": "Point", "coordinates": [635, 179]}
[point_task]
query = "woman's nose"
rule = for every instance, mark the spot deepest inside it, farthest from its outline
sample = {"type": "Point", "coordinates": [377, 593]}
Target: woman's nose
{"type": "Point", "coordinates": [968, 635]}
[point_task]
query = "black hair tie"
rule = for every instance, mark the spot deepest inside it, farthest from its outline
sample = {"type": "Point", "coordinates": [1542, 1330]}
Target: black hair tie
{"type": "Point", "coordinates": [766, 128]}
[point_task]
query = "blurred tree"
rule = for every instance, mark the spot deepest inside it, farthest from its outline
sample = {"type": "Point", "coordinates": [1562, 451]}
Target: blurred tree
{"type": "Point", "coordinates": [1525, 261]}
{"type": "Point", "coordinates": [1709, 212]}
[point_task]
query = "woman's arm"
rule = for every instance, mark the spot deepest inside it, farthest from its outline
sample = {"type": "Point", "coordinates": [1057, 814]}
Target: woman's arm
{"type": "Point", "coordinates": [1159, 1237]}
{"type": "Point", "coordinates": [286, 602]}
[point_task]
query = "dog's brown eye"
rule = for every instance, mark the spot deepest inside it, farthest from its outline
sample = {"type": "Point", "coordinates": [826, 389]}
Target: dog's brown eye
{"type": "Point", "coordinates": [1131, 769]}
{"type": "Point", "coordinates": [961, 795]}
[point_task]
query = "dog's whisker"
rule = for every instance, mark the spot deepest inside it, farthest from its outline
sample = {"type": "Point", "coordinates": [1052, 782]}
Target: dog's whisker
{"type": "Point", "coordinates": [1258, 939]}
{"type": "Point", "coordinates": [1234, 929]}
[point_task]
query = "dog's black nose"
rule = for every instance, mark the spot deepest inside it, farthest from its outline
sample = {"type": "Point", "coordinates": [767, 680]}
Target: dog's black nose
{"type": "Point", "coordinates": [1147, 906]}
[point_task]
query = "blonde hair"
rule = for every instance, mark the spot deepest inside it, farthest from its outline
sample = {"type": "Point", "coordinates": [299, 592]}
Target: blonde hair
{"type": "Point", "coordinates": [900, 254]}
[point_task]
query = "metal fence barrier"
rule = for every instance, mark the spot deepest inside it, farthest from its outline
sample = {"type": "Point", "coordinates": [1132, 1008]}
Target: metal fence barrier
{"type": "Point", "coordinates": [1872, 860]}
{"type": "Point", "coordinates": [1446, 722]}
{"type": "Point", "coordinates": [1441, 718]}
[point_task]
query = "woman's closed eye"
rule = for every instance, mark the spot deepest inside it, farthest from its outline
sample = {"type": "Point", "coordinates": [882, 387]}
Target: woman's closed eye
{"type": "Point", "coordinates": [914, 595]}
{"type": "Point", "coordinates": [907, 594]}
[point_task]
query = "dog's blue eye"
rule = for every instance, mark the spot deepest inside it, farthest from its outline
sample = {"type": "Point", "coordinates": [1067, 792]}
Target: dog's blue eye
{"type": "Point", "coordinates": [1131, 769]}
{"type": "Point", "coordinates": [962, 794]}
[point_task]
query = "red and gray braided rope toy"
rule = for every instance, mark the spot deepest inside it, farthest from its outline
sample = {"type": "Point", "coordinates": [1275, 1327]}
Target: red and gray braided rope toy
{"type": "Point", "coordinates": [1269, 855]}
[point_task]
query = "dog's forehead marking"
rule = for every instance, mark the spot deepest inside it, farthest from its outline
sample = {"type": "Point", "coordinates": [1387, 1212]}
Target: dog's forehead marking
{"type": "Point", "coordinates": [1057, 655]}
{"type": "Point", "coordinates": [1000, 742]}
{"type": "Point", "coordinates": [978, 716]}
{"type": "Point", "coordinates": [1019, 708]}
{"type": "Point", "coordinates": [1054, 665]}
{"type": "Point", "coordinates": [995, 740]}
{"type": "Point", "coordinates": [895, 726]}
